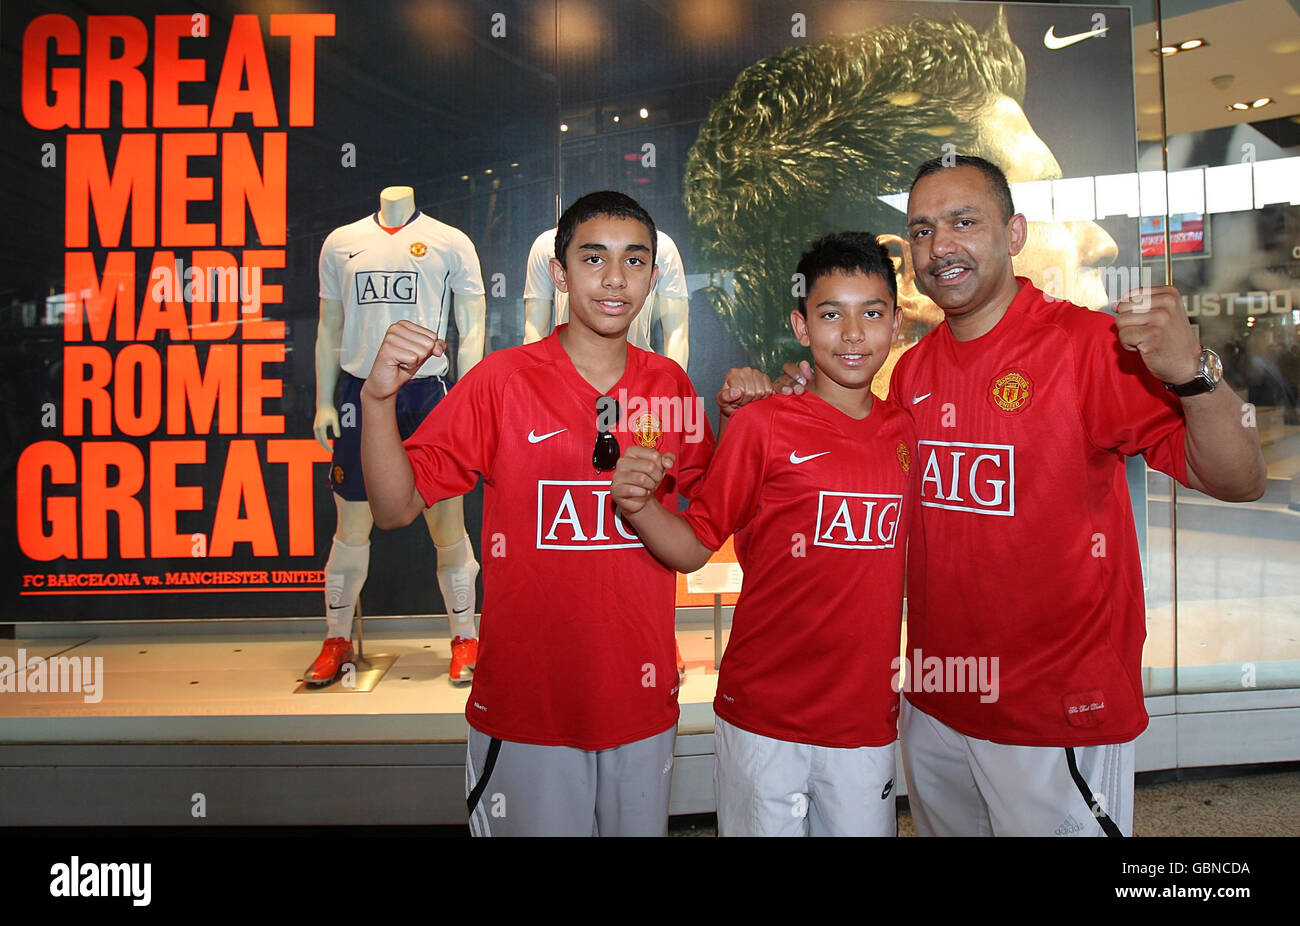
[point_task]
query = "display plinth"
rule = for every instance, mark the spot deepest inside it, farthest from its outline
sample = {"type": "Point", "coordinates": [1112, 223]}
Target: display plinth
{"type": "Point", "coordinates": [211, 710]}
{"type": "Point", "coordinates": [369, 671]}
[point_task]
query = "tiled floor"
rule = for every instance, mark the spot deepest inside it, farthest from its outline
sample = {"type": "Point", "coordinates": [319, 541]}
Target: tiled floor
{"type": "Point", "coordinates": [1238, 805]}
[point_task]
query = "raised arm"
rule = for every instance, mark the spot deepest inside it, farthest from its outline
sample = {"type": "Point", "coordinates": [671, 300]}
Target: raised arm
{"type": "Point", "coordinates": [1224, 458]}
{"type": "Point", "coordinates": [390, 481]}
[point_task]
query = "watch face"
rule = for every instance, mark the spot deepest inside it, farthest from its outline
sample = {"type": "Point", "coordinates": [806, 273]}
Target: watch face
{"type": "Point", "coordinates": [1213, 365]}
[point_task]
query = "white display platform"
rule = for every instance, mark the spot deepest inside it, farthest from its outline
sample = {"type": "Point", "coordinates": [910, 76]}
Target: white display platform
{"type": "Point", "coordinates": [160, 687]}
{"type": "Point", "coordinates": [190, 708]}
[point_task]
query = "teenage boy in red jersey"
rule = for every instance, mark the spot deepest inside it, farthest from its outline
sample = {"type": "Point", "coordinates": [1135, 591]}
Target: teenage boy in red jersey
{"type": "Point", "coordinates": [818, 489]}
{"type": "Point", "coordinates": [1025, 408]}
{"type": "Point", "coordinates": [573, 710]}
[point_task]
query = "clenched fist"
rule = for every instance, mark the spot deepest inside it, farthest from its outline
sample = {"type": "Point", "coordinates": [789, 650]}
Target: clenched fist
{"type": "Point", "coordinates": [1152, 322]}
{"type": "Point", "coordinates": [405, 348]}
{"type": "Point", "coordinates": [740, 387]}
{"type": "Point", "coordinates": [639, 472]}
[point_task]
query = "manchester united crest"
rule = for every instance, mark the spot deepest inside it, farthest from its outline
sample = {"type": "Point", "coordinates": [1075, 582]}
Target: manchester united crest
{"type": "Point", "coordinates": [646, 430]}
{"type": "Point", "coordinates": [1011, 391]}
{"type": "Point", "coordinates": [337, 473]}
{"type": "Point", "coordinates": [904, 456]}
{"type": "Point", "coordinates": [419, 249]}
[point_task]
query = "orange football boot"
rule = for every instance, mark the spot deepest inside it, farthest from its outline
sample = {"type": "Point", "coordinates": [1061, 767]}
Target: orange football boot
{"type": "Point", "coordinates": [334, 654]}
{"type": "Point", "coordinates": [464, 655]}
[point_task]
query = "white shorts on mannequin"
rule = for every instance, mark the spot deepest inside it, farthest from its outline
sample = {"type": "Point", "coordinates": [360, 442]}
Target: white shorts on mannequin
{"type": "Point", "coordinates": [960, 785]}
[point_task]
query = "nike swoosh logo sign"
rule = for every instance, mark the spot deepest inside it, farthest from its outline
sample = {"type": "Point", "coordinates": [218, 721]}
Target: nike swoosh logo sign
{"type": "Point", "coordinates": [355, 253]}
{"type": "Point", "coordinates": [535, 438]}
{"type": "Point", "coordinates": [918, 399]}
{"type": "Point", "coordinates": [1055, 42]}
{"type": "Point", "coordinates": [796, 459]}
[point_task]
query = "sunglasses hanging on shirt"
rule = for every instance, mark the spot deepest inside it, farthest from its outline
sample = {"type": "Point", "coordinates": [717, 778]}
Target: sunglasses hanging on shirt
{"type": "Point", "coordinates": [605, 454]}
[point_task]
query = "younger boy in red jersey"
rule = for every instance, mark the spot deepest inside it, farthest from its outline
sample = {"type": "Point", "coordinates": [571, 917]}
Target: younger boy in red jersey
{"type": "Point", "coordinates": [818, 489]}
{"type": "Point", "coordinates": [573, 710]}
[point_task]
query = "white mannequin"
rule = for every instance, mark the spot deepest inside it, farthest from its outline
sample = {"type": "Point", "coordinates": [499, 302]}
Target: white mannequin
{"type": "Point", "coordinates": [672, 311]}
{"type": "Point", "coordinates": [446, 519]}
{"type": "Point", "coordinates": [674, 315]}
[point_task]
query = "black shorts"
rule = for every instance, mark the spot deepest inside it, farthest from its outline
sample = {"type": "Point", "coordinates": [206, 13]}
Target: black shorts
{"type": "Point", "coordinates": [414, 402]}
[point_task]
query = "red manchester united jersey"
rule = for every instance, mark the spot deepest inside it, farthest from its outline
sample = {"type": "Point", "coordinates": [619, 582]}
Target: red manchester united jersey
{"type": "Point", "coordinates": [1027, 553]}
{"type": "Point", "coordinates": [576, 643]}
{"type": "Point", "coordinates": [819, 503]}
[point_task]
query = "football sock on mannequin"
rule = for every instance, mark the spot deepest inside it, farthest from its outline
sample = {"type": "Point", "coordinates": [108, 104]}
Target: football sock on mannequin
{"type": "Point", "coordinates": [345, 574]}
{"type": "Point", "coordinates": [457, 570]}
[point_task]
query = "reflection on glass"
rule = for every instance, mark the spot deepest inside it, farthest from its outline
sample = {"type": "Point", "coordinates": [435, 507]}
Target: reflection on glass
{"type": "Point", "coordinates": [1238, 587]}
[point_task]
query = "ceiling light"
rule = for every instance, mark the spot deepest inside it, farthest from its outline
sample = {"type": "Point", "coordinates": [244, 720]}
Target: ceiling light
{"type": "Point", "coordinates": [1186, 45]}
{"type": "Point", "coordinates": [1251, 104]}
{"type": "Point", "coordinates": [645, 113]}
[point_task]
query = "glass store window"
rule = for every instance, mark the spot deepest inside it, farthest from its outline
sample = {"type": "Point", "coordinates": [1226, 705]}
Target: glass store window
{"type": "Point", "coordinates": [1217, 123]}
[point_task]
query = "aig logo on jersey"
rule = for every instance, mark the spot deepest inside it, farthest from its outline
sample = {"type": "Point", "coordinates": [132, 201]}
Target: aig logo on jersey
{"type": "Point", "coordinates": [968, 477]}
{"type": "Point", "coordinates": [580, 516]}
{"type": "Point", "coordinates": [857, 521]}
{"type": "Point", "coordinates": [394, 287]}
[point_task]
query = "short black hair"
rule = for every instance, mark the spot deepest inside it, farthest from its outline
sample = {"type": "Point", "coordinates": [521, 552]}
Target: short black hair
{"type": "Point", "coordinates": [845, 252]}
{"type": "Point", "coordinates": [997, 180]}
{"type": "Point", "coordinates": [602, 202]}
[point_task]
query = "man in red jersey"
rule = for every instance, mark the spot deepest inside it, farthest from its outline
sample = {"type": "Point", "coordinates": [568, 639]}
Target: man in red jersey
{"type": "Point", "coordinates": [818, 489]}
{"type": "Point", "coordinates": [573, 710]}
{"type": "Point", "coordinates": [1025, 551]}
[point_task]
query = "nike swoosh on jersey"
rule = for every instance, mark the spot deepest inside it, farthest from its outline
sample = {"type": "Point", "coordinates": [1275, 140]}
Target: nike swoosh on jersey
{"type": "Point", "coordinates": [796, 459]}
{"type": "Point", "coordinates": [535, 438]}
{"type": "Point", "coordinates": [918, 399]}
{"type": "Point", "coordinates": [1055, 42]}
{"type": "Point", "coordinates": [352, 254]}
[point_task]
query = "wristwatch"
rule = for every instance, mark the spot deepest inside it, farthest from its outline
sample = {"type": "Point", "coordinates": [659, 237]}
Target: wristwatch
{"type": "Point", "coordinates": [1206, 379]}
